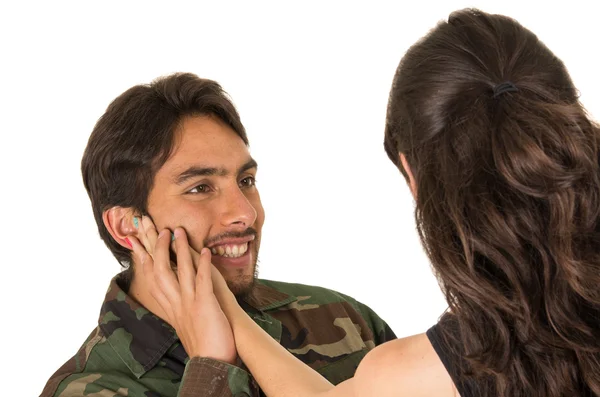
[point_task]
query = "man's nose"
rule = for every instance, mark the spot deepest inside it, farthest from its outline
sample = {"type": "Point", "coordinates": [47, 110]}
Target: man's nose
{"type": "Point", "coordinates": [237, 210]}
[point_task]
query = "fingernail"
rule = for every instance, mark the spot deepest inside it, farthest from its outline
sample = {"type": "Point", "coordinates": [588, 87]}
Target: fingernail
{"type": "Point", "coordinates": [128, 242]}
{"type": "Point", "coordinates": [135, 222]}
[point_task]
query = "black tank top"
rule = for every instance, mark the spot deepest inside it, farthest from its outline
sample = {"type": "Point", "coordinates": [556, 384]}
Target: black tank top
{"type": "Point", "coordinates": [450, 353]}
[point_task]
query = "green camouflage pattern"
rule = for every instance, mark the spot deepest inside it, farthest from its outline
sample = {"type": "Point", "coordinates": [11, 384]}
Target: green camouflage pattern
{"type": "Point", "coordinates": [134, 353]}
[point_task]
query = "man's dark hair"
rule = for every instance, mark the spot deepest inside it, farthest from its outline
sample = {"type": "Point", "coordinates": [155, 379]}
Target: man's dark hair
{"type": "Point", "coordinates": [135, 136]}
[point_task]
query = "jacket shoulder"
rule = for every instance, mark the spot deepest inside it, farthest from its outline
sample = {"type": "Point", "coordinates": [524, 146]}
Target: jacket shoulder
{"type": "Point", "coordinates": [316, 294]}
{"type": "Point", "coordinates": [74, 365]}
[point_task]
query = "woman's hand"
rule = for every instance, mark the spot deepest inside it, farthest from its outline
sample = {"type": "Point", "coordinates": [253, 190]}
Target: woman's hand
{"type": "Point", "coordinates": [184, 290]}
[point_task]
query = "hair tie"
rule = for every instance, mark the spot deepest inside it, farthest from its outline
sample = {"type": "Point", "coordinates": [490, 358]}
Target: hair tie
{"type": "Point", "coordinates": [501, 88]}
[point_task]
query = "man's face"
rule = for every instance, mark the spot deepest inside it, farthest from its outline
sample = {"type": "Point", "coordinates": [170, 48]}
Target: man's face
{"type": "Point", "coordinates": [207, 187]}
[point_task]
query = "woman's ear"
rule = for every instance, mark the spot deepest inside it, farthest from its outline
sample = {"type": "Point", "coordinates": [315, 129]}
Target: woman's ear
{"type": "Point", "coordinates": [411, 179]}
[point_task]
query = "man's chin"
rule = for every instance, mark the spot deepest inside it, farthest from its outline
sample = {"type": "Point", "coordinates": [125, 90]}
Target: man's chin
{"type": "Point", "coordinates": [241, 281]}
{"type": "Point", "coordinates": [242, 286]}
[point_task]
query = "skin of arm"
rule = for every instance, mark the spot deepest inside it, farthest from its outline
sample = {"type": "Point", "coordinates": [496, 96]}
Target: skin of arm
{"type": "Point", "coordinates": [281, 374]}
{"type": "Point", "coordinates": [403, 367]}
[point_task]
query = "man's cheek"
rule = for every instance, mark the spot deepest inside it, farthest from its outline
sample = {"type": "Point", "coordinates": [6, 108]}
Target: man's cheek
{"type": "Point", "coordinates": [196, 233]}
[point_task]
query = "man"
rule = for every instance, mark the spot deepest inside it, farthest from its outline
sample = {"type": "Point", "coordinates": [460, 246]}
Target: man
{"type": "Point", "coordinates": [175, 154]}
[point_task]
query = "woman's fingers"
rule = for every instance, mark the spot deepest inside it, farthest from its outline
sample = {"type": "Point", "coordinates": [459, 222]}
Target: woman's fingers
{"type": "Point", "coordinates": [203, 273]}
{"type": "Point", "coordinates": [163, 275]}
{"type": "Point", "coordinates": [146, 264]}
{"type": "Point", "coordinates": [185, 265]}
{"type": "Point", "coordinates": [148, 234]}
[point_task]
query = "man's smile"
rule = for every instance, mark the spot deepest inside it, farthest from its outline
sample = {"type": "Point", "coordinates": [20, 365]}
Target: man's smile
{"type": "Point", "coordinates": [231, 247]}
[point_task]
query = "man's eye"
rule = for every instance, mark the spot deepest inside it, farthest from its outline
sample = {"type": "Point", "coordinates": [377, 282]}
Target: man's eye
{"type": "Point", "coordinates": [203, 188]}
{"type": "Point", "coordinates": [248, 181]}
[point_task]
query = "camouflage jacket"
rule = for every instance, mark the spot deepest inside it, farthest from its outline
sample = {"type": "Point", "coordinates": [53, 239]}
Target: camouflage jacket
{"type": "Point", "coordinates": [134, 353]}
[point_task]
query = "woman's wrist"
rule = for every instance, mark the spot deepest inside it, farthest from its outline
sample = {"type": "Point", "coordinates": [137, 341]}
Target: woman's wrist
{"type": "Point", "coordinates": [234, 312]}
{"type": "Point", "coordinates": [230, 306]}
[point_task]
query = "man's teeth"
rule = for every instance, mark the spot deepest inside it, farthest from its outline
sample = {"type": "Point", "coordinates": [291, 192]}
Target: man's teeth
{"type": "Point", "coordinates": [230, 251]}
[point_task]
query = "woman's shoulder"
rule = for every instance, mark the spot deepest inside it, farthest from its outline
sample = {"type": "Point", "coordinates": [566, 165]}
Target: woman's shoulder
{"type": "Point", "coordinates": [407, 366]}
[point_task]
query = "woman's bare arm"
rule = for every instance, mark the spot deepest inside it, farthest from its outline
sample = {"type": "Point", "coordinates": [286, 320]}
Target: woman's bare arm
{"type": "Point", "coordinates": [404, 367]}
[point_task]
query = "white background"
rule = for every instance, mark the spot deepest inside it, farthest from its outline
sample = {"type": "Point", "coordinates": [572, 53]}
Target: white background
{"type": "Point", "coordinates": [311, 83]}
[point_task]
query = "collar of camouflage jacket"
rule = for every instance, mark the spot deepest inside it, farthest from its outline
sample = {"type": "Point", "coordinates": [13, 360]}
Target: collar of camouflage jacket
{"type": "Point", "coordinates": [141, 339]}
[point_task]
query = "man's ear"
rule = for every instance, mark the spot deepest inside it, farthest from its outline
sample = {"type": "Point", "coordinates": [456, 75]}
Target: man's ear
{"type": "Point", "coordinates": [120, 224]}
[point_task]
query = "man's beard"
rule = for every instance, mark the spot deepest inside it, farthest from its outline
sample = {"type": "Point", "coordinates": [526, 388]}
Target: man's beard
{"type": "Point", "coordinates": [243, 284]}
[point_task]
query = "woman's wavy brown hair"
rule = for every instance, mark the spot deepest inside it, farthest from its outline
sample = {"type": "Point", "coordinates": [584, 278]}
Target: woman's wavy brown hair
{"type": "Point", "coordinates": [508, 201]}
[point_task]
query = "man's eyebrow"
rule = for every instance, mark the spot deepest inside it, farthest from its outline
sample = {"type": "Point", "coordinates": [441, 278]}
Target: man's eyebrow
{"type": "Point", "coordinates": [248, 166]}
{"type": "Point", "coordinates": [195, 171]}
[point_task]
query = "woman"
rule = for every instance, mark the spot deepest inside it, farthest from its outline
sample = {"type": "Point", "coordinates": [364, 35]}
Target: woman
{"type": "Point", "coordinates": [485, 125]}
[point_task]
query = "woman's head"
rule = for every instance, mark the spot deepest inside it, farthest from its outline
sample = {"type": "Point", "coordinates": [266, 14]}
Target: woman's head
{"type": "Point", "coordinates": [508, 199]}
